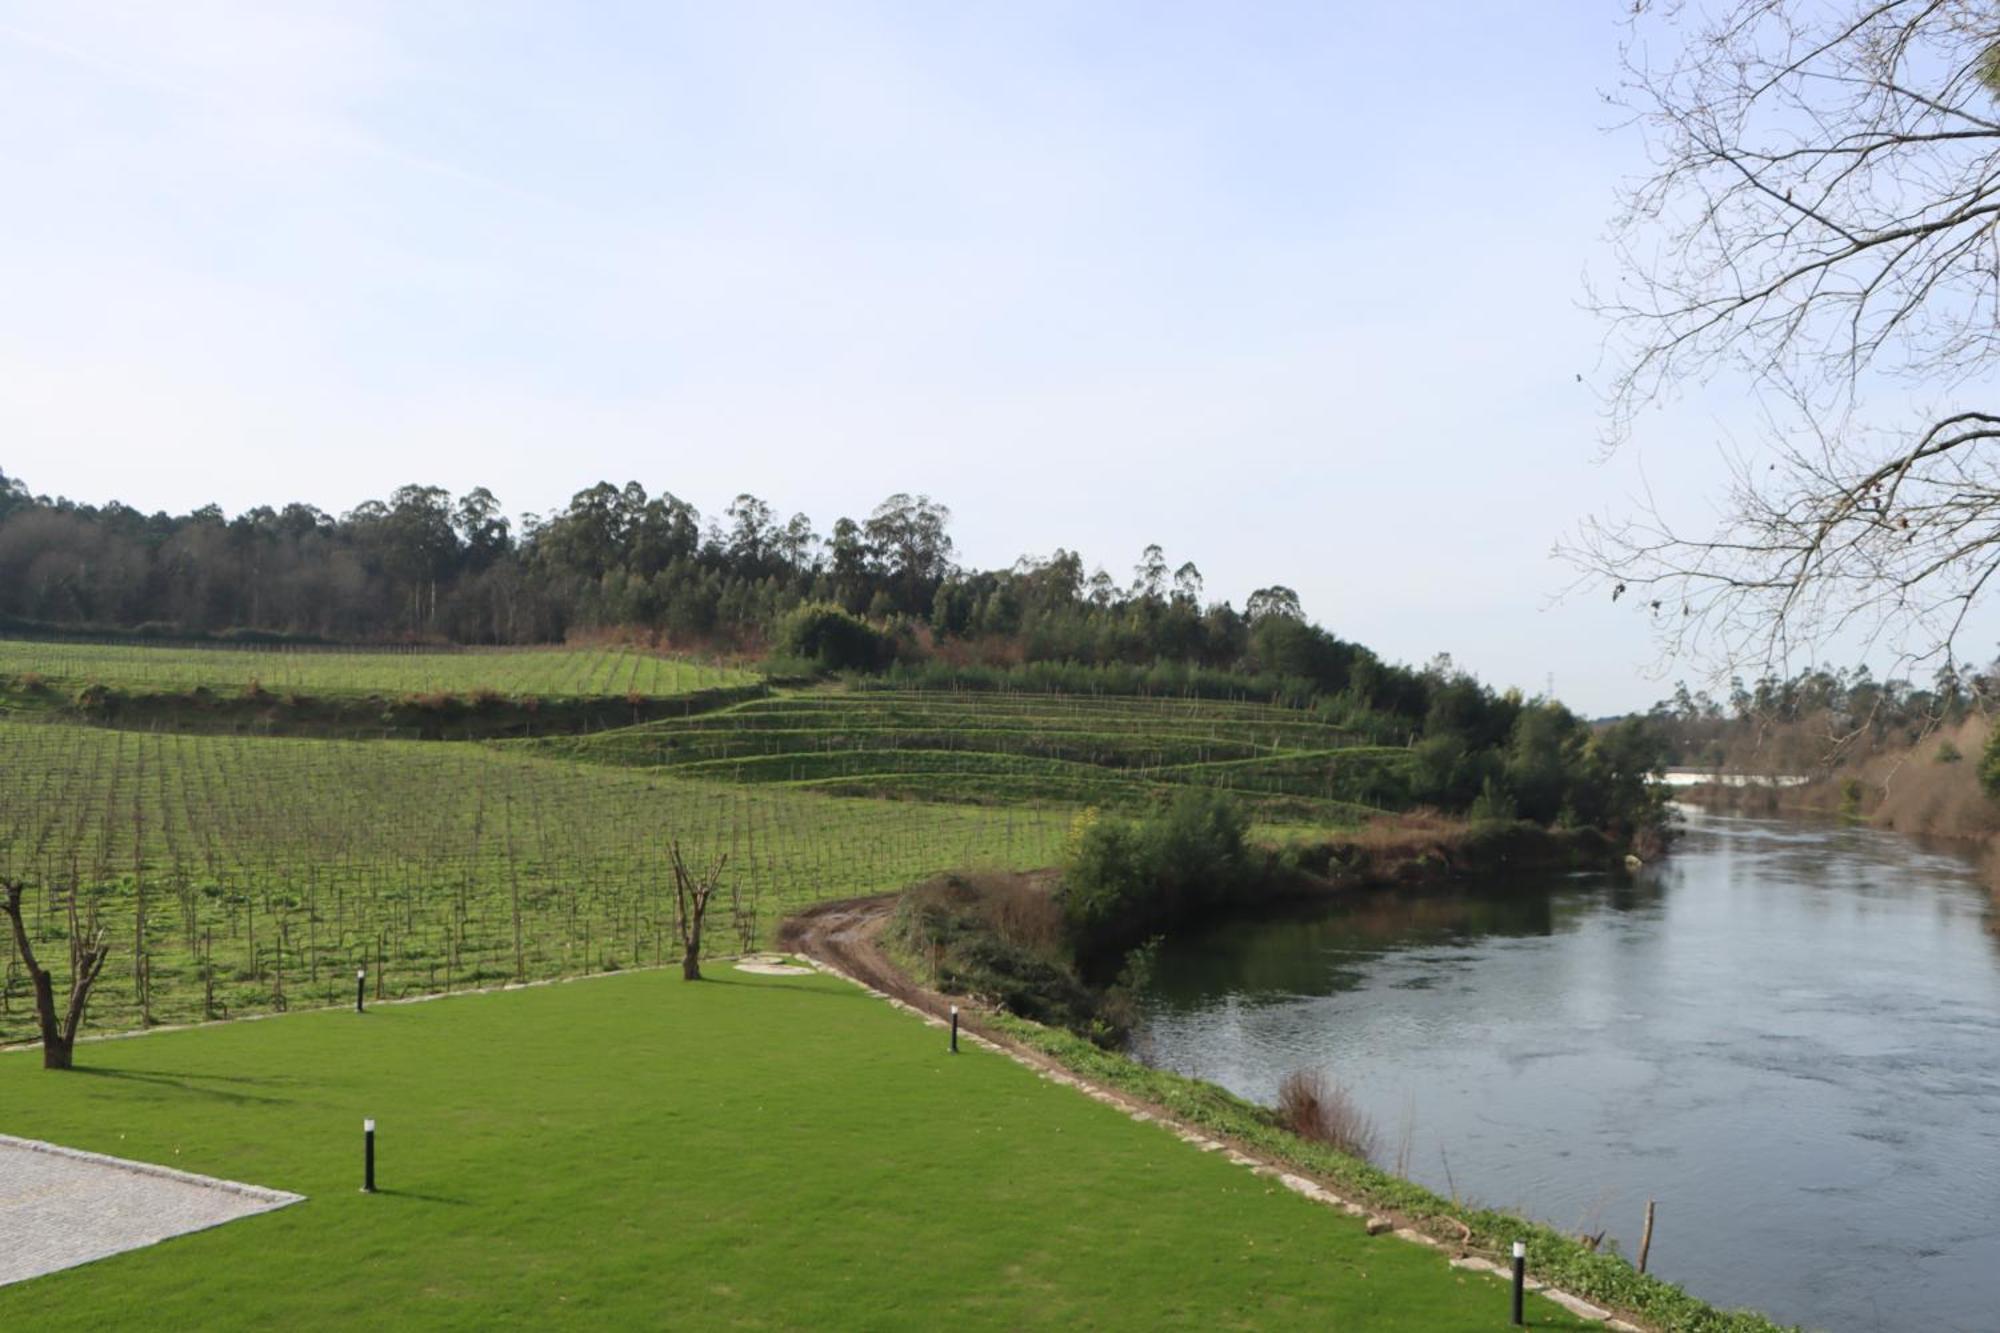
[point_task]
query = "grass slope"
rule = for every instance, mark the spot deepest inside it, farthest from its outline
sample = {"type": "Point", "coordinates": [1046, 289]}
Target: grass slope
{"type": "Point", "coordinates": [748, 1153]}
{"type": "Point", "coordinates": [1287, 763]}
{"type": "Point", "coordinates": [543, 672]}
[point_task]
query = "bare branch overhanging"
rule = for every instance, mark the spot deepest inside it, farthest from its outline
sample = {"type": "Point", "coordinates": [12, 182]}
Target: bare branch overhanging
{"type": "Point", "coordinates": [1820, 219]}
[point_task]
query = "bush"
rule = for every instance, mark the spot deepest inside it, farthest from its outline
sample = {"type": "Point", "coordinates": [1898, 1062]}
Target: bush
{"type": "Point", "coordinates": [997, 938]}
{"type": "Point", "coordinates": [1314, 1107]}
{"type": "Point", "coordinates": [831, 639]}
{"type": "Point", "coordinates": [1494, 804]}
{"type": "Point", "coordinates": [1128, 880]}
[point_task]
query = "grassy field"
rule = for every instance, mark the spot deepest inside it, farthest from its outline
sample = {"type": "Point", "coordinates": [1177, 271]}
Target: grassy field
{"type": "Point", "coordinates": [746, 1153]}
{"type": "Point", "coordinates": [554, 673]}
{"type": "Point", "coordinates": [238, 875]}
{"type": "Point", "coordinates": [1069, 749]}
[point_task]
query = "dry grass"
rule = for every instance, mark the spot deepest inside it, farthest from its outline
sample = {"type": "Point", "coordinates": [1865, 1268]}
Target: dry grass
{"type": "Point", "coordinates": [1924, 791]}
{"type": "Point", "coordinates": [1314, 1107]}
{"type": "Point", "coordinates": [1411, 830]}
{"type": "Point", "coordinates": [1019, 909]}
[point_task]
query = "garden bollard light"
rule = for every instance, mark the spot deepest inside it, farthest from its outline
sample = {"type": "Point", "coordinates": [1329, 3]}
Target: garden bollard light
{"type": "Point", "coordinates": [360, 988]}
{"type": "Point", "coordinates": [368, 1157]}
{"type": "Point", "coordinates": [1520, 1279]}
{"type": "Point", "coordinates": [954, 1029]}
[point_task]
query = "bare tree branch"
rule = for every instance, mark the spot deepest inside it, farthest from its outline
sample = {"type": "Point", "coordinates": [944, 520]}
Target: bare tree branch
{"type": "Point", "coordinates": [1820, 219]}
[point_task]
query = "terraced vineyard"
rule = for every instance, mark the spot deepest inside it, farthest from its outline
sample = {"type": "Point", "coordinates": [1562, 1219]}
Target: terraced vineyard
{"type": "Point", "coordinates": [553, 673]}
{"type": "Point", "coordinates": [1289, 763]}
{"type": "Point", "coordinates": [236, 875]}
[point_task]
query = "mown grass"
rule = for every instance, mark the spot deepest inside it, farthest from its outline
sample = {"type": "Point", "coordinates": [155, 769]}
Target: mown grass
{"type": "Point", "coordinates": [1557, 1258]}
{"type": "Point", "coordinates": [1060, 749]}
{"type": "Point", "coordinates": [541, 672]}
{"type": "Point", "coordinates": [266, 870]}
{"type": "Point", "coordinates": [637, 1152]}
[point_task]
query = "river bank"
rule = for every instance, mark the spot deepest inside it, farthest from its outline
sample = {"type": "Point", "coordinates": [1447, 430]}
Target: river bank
{"type": "Point", "coordinates": [1930, 788]}
{"type": "Point", "coordinates": [1782, 1035]}
{"type": "Point", "coordinates": [855, 938]}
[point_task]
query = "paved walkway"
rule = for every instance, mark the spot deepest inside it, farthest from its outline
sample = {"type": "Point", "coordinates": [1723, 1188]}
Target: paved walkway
{"type": "Point", "coordinates": [60, 1207]}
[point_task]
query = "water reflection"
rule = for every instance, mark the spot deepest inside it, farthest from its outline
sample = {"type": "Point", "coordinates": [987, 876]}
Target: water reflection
{"type": "Point", "coordinates": [1786, 1034]}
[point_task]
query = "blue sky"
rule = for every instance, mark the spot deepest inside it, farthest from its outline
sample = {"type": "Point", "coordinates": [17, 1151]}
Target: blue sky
{"type": "Point", "coordinates": [1294, 291]}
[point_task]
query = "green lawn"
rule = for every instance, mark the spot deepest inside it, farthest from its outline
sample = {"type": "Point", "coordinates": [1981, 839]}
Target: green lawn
{"type": "Point", "coordinates": [635, 1151]}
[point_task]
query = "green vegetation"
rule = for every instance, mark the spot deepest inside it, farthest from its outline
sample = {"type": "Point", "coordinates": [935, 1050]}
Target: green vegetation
{"type": "Point", "coordinates": [1989, 766]}
{"type": "Point", "coordinates": [1126, 880]}
{"type": "Point", "coordinates": [239, 875]}
{"type": "Point", "coordinates": [749, 1152]}
{"type": "Point", "coordinates": [1000, 939]}
{"type": "Point", "coordinates": [1062, 749]}
{"type": "Point", "coordinates": [548, 673]}
{"type": "Point", "coordinates": [236, 875]}
{"type": "Point", "coordinates": [827, 638]}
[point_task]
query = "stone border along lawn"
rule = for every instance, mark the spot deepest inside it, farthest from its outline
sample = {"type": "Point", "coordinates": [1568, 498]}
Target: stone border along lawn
{"type": "Point", "coordinates": [756, 1152]}
{"type": "Point", "coordinates": [60, 1207]}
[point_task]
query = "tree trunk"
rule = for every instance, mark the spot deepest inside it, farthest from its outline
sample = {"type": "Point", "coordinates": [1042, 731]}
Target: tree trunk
{"type": "Point", "coordinates": [691, 897]}
{"type": "Point", "coordinates": [55, 1049]}
{"type": "Point", "coordinates": [691, 960]}
{"type": "Point", "coordinates": [86, 962]}
{"type": "Point", "coordinates": [57, 1052]}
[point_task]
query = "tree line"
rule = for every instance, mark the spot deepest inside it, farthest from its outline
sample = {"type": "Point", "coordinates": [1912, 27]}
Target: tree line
{"type": "Point", "coordinates": [1815, 718]}
{"type": "Point", "coordinates": [424, 565]}
{"type": "Point", "coordinates": [877, 593]}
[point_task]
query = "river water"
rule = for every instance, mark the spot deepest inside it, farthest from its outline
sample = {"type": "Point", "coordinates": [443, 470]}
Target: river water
{"type": "Point", "coordinates": [1787, 1034]}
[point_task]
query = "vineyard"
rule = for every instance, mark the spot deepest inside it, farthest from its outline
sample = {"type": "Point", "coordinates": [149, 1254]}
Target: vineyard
{"type": "Point", "coordinates": [239, 875]}
{"type": "Point", "coordinates": [553, 673]}
{"type": "Point", "coordinates": [1288, 763]}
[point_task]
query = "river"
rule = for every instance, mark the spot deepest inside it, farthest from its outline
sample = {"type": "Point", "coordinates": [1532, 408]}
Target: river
{"type": "Point", "coordinates": [1787, 1034]}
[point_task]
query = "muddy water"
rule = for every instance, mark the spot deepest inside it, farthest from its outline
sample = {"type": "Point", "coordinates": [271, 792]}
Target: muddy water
{"type": "Point", "coordinates": [1788, 1035]}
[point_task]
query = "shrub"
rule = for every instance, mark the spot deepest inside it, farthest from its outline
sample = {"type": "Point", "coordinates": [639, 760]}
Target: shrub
{"type": "Point", "coordinates": [1947, 753]}
{"type": "Point", "coordinates": [831, 639]}
{"type": "Point", "coordinates": [96, 699]}
{"type": "Point", "coordinates": [1128, 880]}
{"type": "Point", "coordinates": [1314, 1107]}
{"type": "Point", "coordinates": [996, 937]}
{"type": "Point", "coordinates": [1494, 804]}
{"type": "Point", "coordinates": [1851, 792]}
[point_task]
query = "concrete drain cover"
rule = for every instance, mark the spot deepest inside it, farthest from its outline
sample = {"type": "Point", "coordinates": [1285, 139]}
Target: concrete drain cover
{"type": "Point", "coordinates": [772, 965]}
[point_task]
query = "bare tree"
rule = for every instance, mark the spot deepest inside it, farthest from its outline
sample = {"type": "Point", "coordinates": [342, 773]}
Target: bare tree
{"type": "Point", "coordinates": [691, 895]}
{"type": "Point", "coordinates": [87, 952]}
{"type": "Point", "coordinates": [1820, 219]}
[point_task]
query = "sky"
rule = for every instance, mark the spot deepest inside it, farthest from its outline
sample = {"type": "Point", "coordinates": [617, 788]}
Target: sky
{"type": "Point", "coordinates": [1295, 291]}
